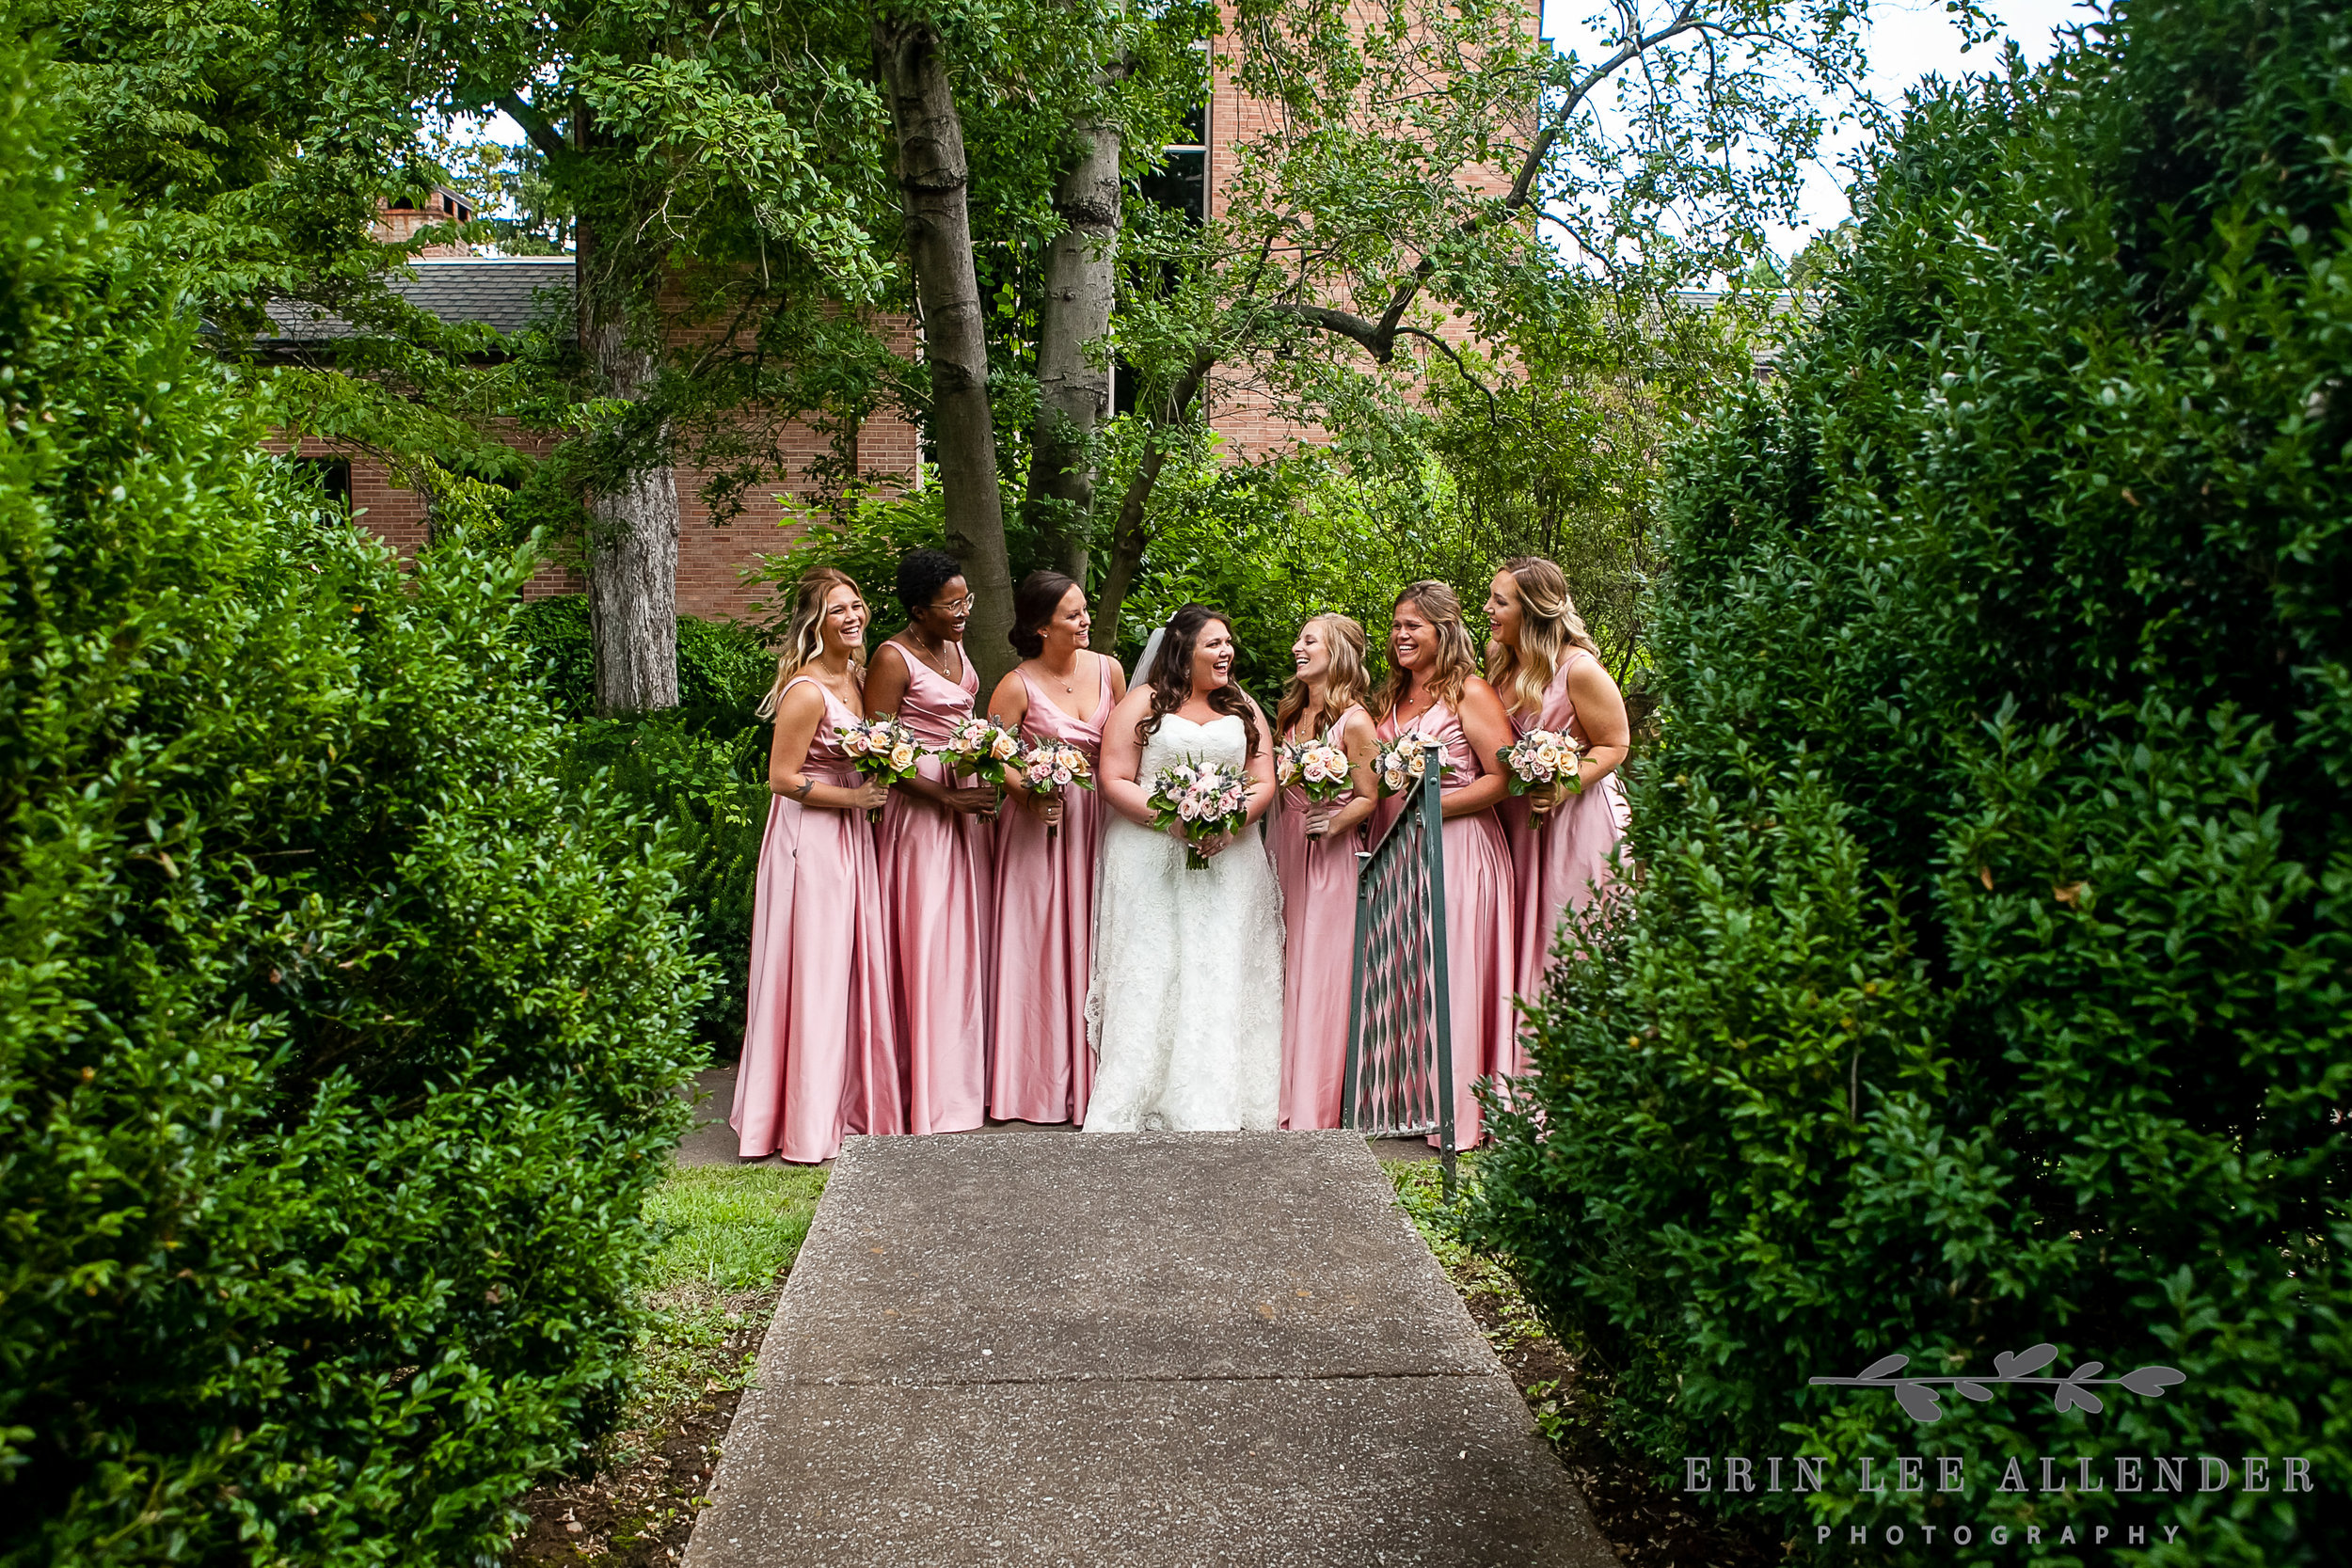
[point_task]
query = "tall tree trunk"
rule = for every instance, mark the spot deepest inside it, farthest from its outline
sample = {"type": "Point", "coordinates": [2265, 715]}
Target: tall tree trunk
{"type": "Point", "coordinates": [1074, 394]}
{"type": "Point", "coordinates": [632, 511]}
{"type": "Point", "coordinates": [933, 180]}
{"type": "Point", "coordinates": [1129, 536]}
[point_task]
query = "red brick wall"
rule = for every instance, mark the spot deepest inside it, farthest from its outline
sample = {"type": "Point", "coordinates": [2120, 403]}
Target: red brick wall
{"type": "Point", "coordinates": [713, 556]}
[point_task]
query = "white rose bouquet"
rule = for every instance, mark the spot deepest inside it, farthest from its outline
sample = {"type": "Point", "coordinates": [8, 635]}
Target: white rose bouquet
{"type": "Point", "coordinates": [881, 748]}
{"type": "Point", "coordinates": [1050, 766]}
{"type": "Point", "coordinates": [1542, 764]}
{"type": "Point", "coordinates": [1206, 799]}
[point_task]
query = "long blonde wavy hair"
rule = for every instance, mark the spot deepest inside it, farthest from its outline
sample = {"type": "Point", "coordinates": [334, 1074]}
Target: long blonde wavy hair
{"type": "Point", "coordinates": [1457, 656]}
{"type": "Point", "coordinates": [1345, 684]}
{"type": "Point", "coordinates": [1549, 627]}
{"type": "Point", "coordinates": [804, 632]}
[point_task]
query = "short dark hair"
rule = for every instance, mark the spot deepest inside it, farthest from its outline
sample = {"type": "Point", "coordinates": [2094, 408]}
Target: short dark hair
{"type": "Point", "coordinates": [922, 574]}
{"type": "Point", "coordinates": [1034, 602]}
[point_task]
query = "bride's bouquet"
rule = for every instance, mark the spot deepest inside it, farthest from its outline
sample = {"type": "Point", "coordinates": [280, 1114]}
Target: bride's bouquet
{"type": "Point", "coordinates": [1399, 765]}
{"type": "Point", "coordinates": [1316, 768]}
{"type": "Point", "coordinates": [1543, 763]}
{"type": "Point", "coordinates": [1048, 767]}
{"type": "Point", "coordinates": [881, 748]}
{"type": "Point", "coordinates": [981, 745]}
{"type": "Point", "coordinates": [1207, 799]}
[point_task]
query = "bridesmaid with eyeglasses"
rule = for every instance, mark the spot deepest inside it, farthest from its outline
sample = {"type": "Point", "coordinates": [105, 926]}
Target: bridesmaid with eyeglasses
{"type": "Point", "coordinates": [820, 1049]}
{"type": "Point", "coordinates": [936, 850]}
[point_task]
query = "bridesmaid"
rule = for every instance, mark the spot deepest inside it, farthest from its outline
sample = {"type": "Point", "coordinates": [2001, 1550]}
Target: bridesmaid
{"type": "Point", "coordinates": [937, 855]}
{"type": "Point", "coordinates": [818, 1053]}
{"type": "Point", "coordinates": [1314, 855]}
{"type": "Point", "coordinates": [1436, 691]}
{"type": "Point", "coordinates": [1063, 692]}
{"type": "Point", "coordinates": [1544, 667]}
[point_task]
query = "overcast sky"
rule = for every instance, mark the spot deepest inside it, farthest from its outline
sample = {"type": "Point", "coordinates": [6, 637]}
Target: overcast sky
{"type": "Point", "coordinates": [1908, 39]}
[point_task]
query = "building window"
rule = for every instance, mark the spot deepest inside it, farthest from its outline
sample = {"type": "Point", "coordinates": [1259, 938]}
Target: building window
{"type": "Point", "coordinates": [332, 475]}
{"type": "Point", "coordinates": [1180, 185]}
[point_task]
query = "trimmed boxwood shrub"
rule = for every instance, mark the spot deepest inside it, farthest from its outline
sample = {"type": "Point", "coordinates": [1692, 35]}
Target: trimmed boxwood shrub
{"type": "Point", "coordinates": [338, 1039]}
{"type": "Point", "coordinates": [1986, 981]}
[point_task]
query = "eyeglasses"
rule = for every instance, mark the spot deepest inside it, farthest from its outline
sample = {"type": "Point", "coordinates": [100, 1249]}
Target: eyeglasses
{"type": "Point", "coordinates": [955, 606]}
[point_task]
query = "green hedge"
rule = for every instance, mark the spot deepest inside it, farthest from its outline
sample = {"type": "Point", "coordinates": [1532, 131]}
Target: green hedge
{"type": "Point", "coordinates": [1987, 979]}
{"type": "Point", "coordinates": [697, 777]}
{"type": "Point", "coordinates": [338, 1038]}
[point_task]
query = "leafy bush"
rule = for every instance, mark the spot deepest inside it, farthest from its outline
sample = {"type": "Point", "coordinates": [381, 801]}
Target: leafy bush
{"type": "Point", "coordinates": [697, 777]}
{"type": "Point", "coordinates": [1986, 981]}
{"type": "Point", "coordinates": [337, 1037]}
{"type": "Point", "coordinates": [723, 669]}
{"type": "Point", "coordinates": [704, 793]}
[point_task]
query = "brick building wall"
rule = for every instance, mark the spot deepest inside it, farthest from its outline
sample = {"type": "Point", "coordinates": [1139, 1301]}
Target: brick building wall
{"type": "Point", "coordinates": [1240, 408]}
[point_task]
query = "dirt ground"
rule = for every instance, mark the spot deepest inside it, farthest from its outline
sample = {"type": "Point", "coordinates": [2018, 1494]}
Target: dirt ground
{"type": "Point", "coordinates": [639, 1508]}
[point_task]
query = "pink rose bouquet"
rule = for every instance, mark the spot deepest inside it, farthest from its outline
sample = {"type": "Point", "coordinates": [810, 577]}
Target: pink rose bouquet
{"type": "Point", "coordinates": [1316, 768]}
{"type": "Point", "coordinates": [1542, 764]}
{"type": "Point", "coordinates": [1205, 798]}
{"type": "Point", "coordinates": [880, 748]}
{"type": "Point", "coordinates": [1050, 766]}
{"type": "Point", "coordinates": [1399, 765]}
{"type": "Point", "coordinates": [981, 747]}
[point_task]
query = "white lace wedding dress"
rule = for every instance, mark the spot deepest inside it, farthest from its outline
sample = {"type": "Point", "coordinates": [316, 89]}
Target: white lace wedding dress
{"type": "Point", "coordinates": [1185, 1008]}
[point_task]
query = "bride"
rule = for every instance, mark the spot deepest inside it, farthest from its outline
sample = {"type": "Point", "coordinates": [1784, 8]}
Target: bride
{"type": "Point", "coordinates": [1185, 1011]}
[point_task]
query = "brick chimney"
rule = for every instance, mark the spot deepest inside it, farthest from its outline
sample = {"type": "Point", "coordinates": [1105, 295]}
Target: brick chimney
{"type": "Point", "coordinates": [395, 222]}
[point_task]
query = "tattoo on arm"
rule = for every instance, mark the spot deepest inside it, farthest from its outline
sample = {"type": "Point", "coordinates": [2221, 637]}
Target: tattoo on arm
{"type": "Point", "coordinates": [807, 784]}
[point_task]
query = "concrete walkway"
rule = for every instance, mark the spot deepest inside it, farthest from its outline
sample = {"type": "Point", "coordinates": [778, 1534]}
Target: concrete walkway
{"type": "Point", "coordinates": [712, 1143]}
{"type": "Point", "coordinates": [1034, 1348]}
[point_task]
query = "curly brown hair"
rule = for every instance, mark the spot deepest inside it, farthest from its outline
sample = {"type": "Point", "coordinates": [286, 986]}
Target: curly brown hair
{"type": "Point", "coordinates": [1170, 675]}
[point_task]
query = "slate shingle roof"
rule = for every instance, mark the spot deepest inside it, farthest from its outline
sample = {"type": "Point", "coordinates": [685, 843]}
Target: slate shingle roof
{"type": "Point", "coordinates": [502, 291]}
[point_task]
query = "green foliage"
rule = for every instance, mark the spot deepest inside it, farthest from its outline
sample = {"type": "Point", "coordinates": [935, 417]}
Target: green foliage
{"type": "Point", "coordinates": [337, 1037]}
{"type": "Point", "coordinates": [695, 777]}
{"type": "Point", "coordinates": [1986, 979]}
{"type": "Point", "coordinates": [1558, 451]}
{"type": "Point", "coordinates": [723, 669]}
{"type": "Point", "coordinates": [864, 536]}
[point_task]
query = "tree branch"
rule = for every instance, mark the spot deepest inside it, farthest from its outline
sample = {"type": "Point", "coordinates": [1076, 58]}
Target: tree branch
{"type": "Point", "coordinates": [541, 129]}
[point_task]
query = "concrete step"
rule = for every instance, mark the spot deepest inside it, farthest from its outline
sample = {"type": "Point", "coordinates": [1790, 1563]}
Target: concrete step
{"type": "Point", "coordinates": [1034, 1348]}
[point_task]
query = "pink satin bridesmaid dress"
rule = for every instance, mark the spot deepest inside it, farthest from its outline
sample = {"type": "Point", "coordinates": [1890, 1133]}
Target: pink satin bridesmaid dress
{"type": "Point", "coordinates": [1481, 922]}
{"type": "Point", "coordinates": [1563, 863]}
{"type": "Point", "coordinates": [1043, 1072]}
{"type": "Point", "coordinates": [820, 1056]}
{"type": "Point", "coordinates": [1318, 878]}
{"type": "Point", "coordinates": [938, 882]}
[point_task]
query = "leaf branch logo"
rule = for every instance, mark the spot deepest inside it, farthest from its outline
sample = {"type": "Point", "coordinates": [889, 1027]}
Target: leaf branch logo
{"type": "Point", "coordinates": [1918, 1395]}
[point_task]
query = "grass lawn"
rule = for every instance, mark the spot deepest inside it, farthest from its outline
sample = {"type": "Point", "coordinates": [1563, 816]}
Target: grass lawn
{"type": "Point", "coordinates": [727, 1236]}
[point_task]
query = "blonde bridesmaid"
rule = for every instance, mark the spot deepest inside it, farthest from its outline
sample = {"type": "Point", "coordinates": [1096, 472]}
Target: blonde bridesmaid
{"type": "Point", "coordinates": [1544, 665]}
{"type": "Point", "coordinates": [819, 1055]}
{"type": "Point", "coordinates": [1061, 691]}
{"type": "Point", "coordinates": [937, 852]}
{"type": "Point", "coordinates": [1435, 690]}
{"type": "Point", "coordinates": [1314, 855]}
